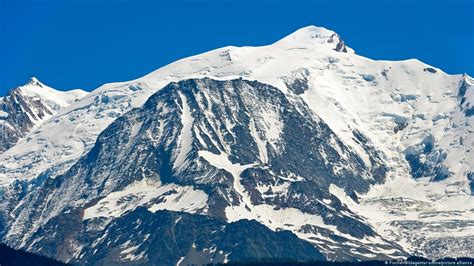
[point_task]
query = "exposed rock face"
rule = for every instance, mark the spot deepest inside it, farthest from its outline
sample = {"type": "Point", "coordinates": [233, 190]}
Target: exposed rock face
{"type": "Point", "coordinates": [25, 107]}
{"type": "Point", "coordinates": [166, 238]}
{"type": "Point", "coordinates": [242, 146]}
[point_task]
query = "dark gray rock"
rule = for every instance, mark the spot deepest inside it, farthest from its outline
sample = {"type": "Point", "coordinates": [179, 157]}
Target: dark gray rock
{"type": "Point", "coordinates": [21, 110]}
{"type": "Point", "coordinates": [430, 70]}
{"type": "Point", "coordinates": [165, 237]}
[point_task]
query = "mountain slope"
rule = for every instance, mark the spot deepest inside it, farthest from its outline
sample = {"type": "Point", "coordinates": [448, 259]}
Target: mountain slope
{"type": "Point", "coordinates": [362, 158]}
{"type": "Point", "coordinates": [27, 106]}
{"type": "Point", "coordinates": [171, 238]}
{"type": "Point", "coordinates": [226, 149]}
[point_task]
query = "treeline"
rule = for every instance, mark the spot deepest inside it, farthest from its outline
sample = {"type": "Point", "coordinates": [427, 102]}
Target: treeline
{"type": "Point", "coordinates": [10, 256]}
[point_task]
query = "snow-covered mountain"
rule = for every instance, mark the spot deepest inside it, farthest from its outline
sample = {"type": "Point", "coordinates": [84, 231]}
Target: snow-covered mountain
{"type": "Point", "coordinates": [27, 106]}
{"type": "Point", "coordinates": [360, 159]}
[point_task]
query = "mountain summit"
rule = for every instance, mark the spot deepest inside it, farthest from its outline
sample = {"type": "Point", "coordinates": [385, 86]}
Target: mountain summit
{"type": "Point", "coordinates": [27, 106]}
{"type": "Point", "coordinates": [312, 35]}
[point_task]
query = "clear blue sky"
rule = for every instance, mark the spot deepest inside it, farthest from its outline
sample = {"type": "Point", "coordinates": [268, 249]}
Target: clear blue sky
{"type": "Point", "coordinates": [83, 44]}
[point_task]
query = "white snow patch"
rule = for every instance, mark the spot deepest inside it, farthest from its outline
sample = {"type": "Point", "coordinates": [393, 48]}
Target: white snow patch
{"type": "Point", "coordinates": [143, 193]}
{"type": "Point", "coordinates": [186, 136]}
{"type": "Point", "coordinates": [289, 218]}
